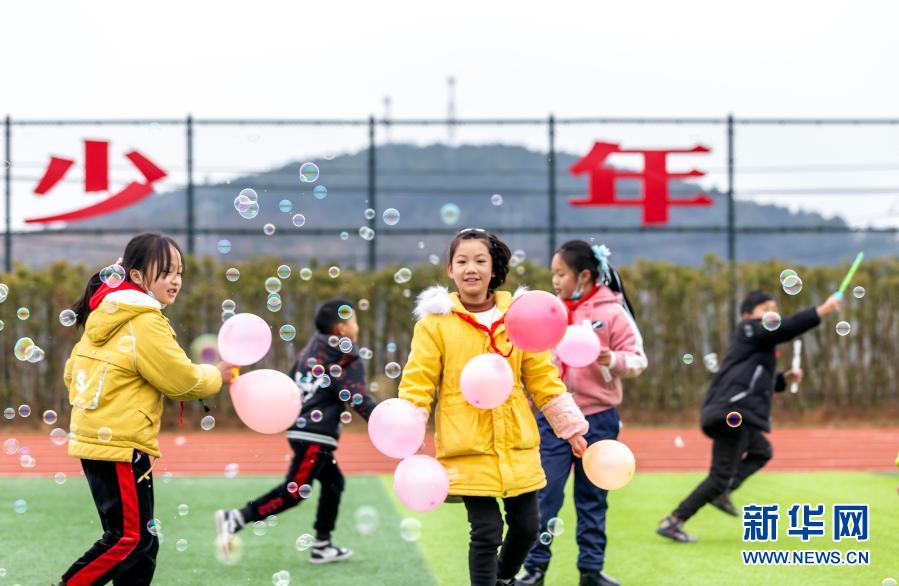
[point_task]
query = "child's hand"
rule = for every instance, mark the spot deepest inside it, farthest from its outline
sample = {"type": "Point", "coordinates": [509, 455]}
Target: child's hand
{"type": "Point", "coordinates": [793, 376]}
{"type": "Point", "coordinates": [605, 357]}
{"type": "Point", "coordinates": [228, 371]}
{"type": "Point", "coordinates": [578, 445]}
{"type": "Point", "coordinates": [832, 305]}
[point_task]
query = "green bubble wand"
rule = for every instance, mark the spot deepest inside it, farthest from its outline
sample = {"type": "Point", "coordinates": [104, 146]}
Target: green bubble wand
{"type": "Point", "coordinates": [848, 278]}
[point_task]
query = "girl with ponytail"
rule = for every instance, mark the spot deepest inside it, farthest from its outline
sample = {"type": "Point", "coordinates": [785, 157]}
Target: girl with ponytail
{"type": "Point", "coordinates": [591, 290]}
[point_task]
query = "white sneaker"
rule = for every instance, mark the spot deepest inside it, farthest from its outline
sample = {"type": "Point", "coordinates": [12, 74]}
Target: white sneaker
{"type": "Point", "coordinates": [227, 523]}
{"type": "Point", "coordinates": [324, 552]}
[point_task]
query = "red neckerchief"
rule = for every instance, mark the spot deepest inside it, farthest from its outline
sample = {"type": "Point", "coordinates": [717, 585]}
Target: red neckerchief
{"type": "Point", "coordinates": [469, 319]}
{"type": "Point", "coordinates": [571, 306]}
{"type": "Point", "coordinates": [104, 290]}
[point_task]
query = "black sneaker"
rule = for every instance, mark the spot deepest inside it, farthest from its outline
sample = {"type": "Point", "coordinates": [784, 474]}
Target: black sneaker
{"type": "Point", "coordinates": [325, 552]}
{"type": "Point", "coordinates": [531, 577]}
{"type": "Point", "coordinates": [723, 504]}
{"type": "Point", "coordinates": [673, 528]}
{"type": "Point", "coordinates": [594, 578]}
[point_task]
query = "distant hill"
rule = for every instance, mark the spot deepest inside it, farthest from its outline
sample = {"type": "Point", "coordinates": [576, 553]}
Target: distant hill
{"type": "Point", "coordinates": [418, 181]}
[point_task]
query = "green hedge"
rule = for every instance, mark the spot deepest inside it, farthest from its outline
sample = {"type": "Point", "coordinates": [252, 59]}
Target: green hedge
{"type": "Point", "coordinates": [679, 309]}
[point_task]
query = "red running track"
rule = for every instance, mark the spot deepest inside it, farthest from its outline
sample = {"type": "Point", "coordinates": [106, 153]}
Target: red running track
{"type": "Point", "coordinates": [872, 449]}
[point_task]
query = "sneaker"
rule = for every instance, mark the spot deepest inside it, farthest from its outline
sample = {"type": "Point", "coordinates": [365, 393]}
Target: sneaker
{"type": "Point", "coordinates": [594, 578]}
{"type": "Point", "coordinates": [531, 577]}
{"type": "Point", "coordinates": [325, 552]}
{"type": "Point", "coordinates": [505, 582]}
{"type": "Point", "coordinates": [673, 528]}
{"type": "Point", "coordinates": [227, 523]}
{"type": "Point", "coordinates": [723, 504]}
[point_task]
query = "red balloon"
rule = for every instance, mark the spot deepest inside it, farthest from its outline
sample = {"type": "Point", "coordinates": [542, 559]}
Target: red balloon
{"type": "Point", "coordinates": [536, 321]}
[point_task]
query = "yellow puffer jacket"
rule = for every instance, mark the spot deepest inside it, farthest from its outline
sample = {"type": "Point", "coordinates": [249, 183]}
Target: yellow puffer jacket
{"type": "Point", "coordinates": [487, 452]}
{"type": "Point", "coordinates": [118, 372]}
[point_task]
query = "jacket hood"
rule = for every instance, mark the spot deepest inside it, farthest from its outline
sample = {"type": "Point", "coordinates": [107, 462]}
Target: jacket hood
{"type": "Point", "coordinates": [606, 295]}
{"type": "Point", "coordinates": [116, 310]}
{"type": "Point", "coordinates": [437, 300]}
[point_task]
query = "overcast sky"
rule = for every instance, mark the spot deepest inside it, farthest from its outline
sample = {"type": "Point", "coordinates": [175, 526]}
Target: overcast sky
{"type": "Point", "coordinates": [339, 59]}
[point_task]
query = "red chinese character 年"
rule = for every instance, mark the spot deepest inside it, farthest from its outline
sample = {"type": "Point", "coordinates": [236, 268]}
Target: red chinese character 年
{"type": "Point", "coordinates": [655, 177]}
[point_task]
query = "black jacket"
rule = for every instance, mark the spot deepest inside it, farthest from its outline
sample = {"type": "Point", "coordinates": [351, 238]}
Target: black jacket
{"type": "Point", "coordinates": [324, 398]}
{"type": "Point", "coordinates": [744, 383]}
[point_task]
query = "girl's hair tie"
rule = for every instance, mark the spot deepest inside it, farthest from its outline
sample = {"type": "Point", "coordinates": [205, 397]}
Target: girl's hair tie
{"type": "Point", "coordinates": [602, 254]}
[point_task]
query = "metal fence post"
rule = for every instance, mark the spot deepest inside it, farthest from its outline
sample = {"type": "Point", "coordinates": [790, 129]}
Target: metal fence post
{"type": "Point", "coordinates": [372, 193]}
{"type": "Point", "coordinates": [551, 170]}
{"type": "Point", "coordinates": [190, 185]}
{"type": "Point", "coordinates": [7, 158]}
{"type": "Point", "coordinates": [731, 219]}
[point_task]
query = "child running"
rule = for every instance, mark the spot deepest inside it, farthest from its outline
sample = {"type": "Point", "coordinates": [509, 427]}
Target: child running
{"type": "Point", "coordinates": [591, 290]}
{"type": "Point", "coordinates": [118, 373]}
{"type": "Point", "coordinates": [737, 407]}
{"type": "Point", "coordinates": [489, 453]}
{"type": "Point", "coordinates": [332, 378]}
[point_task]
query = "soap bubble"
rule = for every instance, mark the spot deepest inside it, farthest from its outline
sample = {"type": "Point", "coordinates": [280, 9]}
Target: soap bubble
{"type": "Point", "coordinates": [285, 205]}
{"type": "Point", "coordinates": [843, 328]}
{"type": "Point", "coordinates": [792, 285]}
{"type": "Point", "coordinates": [104, 434]}
{"type": "Point", "coordinates": [113, 275]}
{"type": "Point", "coordinates": [207, 423]}
{"type": "Point", "coordinates": [391, 216]}
{"type": "Point", "coordinates": [771, 321]}
{"type": "Point", "coordinates": [370, 214]}
{"type": "Point", "coordinates": [49, 417]}
{"type": "Point", "coordinates": [450, 214]}
{"type": "Point", "coordinates": [858, 292]}
{"type": "Point", "coordinates": [67, 318]}
{"type": "Point", "coordinates": [268, 229]}
{"type": "Point", "coordinates": [283, 272]}
{"type": "Point", "coordinates": [273, 284]}
{"type": "Point", "coordinates": [223, 246]}
{"type": "Point", "coordinates": [305, 274]}
{"type": "Point", "coordinates": [410, 529]}
{"type": "Point", "coordinates": [393, 370]}
{"type": "Point", "coordinates": [320, 192]}
{"type": "Point", "coordinates": [304, 542]}
{"type": "Point", "coordinates": [232, 274]}
{"type": "Point", "coordinates": [309, 173]}
{"type": "Point", "coordinates": [183, 510]}
{"type": "Point", "coordinates": [59, 478]}
{"type": "Point", "coordinates": [20, 506]}
{"type": "Point", "coordinates": [496, 199]}
{"type": "Point", "coordinates": [23, 313]}
{"type": "Point", "coordinates": [403, 275]}
{"type": "Point", "coordinates": [787, 273]}
{"type": "Point", "coordinates": [687, 358]}
{"type": "Point", "coordinates": [345, 312]}
{"type": "Point", "coordinates": [366, 233]}
{"type": "Point", "coordinates": [299, 220]}
{"type": "Point", "coordinates": [734, 419]}
{"type": "Point", "coordinates": [232, 470]}
{"type": "Point", "coordinates": [546, 538]}
{"type": "Point", "coordinates": [334, 272]}
{"type": "Point", "coordinates": [287, 332]}
{"type": "Point", "coordinates": [555, 526]}
{"type": "Point", "coordinates": [181, 545]}
{"type": "Point", "coordinates": [366, 520]}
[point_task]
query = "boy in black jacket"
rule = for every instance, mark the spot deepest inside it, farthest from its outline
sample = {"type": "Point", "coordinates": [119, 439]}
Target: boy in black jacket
{"type": "Point", "coordinates": [743, 386]}
{"type": "Point", "coordinates": [331, 377]}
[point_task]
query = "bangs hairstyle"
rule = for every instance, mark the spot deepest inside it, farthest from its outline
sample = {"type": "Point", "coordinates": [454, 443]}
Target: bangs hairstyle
{"type": "Point", "coordinates": [500, 254]}
{"type": "Point", "coordinates": [150, 250]}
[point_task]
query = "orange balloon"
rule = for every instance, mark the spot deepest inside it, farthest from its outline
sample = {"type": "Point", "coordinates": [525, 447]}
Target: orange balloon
{"type": "Point", "coordinates": [609, 464]}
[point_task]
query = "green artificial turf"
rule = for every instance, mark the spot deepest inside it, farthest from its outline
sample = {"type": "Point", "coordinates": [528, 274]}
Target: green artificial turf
{"type": "Point", "coordinates": [60, 523]}
{"type": "Point", "coordinates": [635, 555]}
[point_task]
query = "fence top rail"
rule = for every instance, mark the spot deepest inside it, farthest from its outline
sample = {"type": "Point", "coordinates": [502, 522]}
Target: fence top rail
{"type": "Point", "coordinates": [637, 120]}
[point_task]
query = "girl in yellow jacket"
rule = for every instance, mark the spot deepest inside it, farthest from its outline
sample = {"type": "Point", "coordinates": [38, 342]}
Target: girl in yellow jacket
{"type": "Point", "coordinates": [117, 375]}
{"type": "Point", "coordinates": [488, 453]}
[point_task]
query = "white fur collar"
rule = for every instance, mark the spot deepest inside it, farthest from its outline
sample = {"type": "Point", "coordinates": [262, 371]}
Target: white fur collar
{"type": "Point", "coordinates": [433, 301]}
{"type": "Point", "coordinates": [436, 300]}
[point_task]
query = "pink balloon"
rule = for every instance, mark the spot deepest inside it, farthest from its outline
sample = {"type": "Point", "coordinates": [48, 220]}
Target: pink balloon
{"type": "Point", "coordinates": [397, 428]}
{"type": "Point", "coordinates": [421, 483]}
{"type": "Point", "coordinates": [244, 339]}
{"type": "Point", "coordinates": [487, 381]}
{"type": "Point", "coordinates": [266, 401]}
{"type": "Point", "coordinates": [579, 346]}
{"type": "Point", "coordinates": [536, 321]}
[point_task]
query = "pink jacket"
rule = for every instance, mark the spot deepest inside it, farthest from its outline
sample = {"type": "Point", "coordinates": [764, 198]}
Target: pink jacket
{"type": "Point", "coordinates": [597, 388]}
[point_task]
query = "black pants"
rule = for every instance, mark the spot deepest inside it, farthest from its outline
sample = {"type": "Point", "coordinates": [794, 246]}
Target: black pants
{"type": "Point", "coordinates": [310, 462]}
{"type": "Point", "coordinates": [523, 519]}
{"type": "Point", "coordinates": [126, 554]}
{"type": "Point", "coordinates": [737, 453]}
